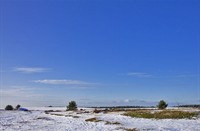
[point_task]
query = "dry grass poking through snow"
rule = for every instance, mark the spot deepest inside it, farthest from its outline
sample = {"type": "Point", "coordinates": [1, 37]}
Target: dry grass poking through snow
{"type": "Point", "coordinates": [112, 123]}
{"type": "Point", "coordinates": [92, 120]}
{"type": "Point", "coordinates": [165, 114]}
{"type": "Point", "coordinates": [127, 129]}
{"type": "Point", "coordinates": [106, 122]}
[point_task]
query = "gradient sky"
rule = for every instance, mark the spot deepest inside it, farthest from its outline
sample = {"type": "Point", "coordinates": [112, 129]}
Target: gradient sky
{"type": "Point", "coordinates": [103, 52]}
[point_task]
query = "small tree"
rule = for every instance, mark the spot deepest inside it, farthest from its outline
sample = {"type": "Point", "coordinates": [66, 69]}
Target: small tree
{"type": "Point", "coordinates": [17, 107]}
{"type": "Point", "coordinates": [162, 104]}
{"type": "Point", "coordinates": [9, 107]}
{"type": "Point", "coordinates": [72, 106]}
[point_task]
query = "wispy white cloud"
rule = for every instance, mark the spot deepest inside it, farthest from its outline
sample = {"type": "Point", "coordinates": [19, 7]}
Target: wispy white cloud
{"type": "Point", "coordinates": [30, 69]}
{"type": "Point", "coordinates": [63, 82]}
{"type": "Point", "coordinates": [138, 102]}
{"type": "Point", "coordinates": [67, 83]}
{"type": "Point", "coordinates": [139, 74]}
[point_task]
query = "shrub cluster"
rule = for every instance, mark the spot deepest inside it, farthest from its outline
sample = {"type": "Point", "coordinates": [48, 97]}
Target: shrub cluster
{"type": "Point", "coordinates": [162, 104]}
{"type": "Point", "coordinates": [72, 106]}
{"type": "Point", "coordinates": [9, 107]}
{"type": "Point", "coordinates": [17, 107]}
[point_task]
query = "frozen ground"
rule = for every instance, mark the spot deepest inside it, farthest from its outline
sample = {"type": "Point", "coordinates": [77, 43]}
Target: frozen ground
{"type": "Point", "coordinates": [37, 120]}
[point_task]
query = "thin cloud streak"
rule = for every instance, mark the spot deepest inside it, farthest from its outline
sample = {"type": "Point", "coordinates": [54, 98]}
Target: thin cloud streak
{"type": "Point", "coordinates": [63, 82]}
{"type": "Point", "coordinates": [30, 70]}
{"type": "Point", "coordinates": [139, 74]}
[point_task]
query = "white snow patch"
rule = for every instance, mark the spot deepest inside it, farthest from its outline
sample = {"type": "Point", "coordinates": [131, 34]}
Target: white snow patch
{"type": "Point", "coordinates": [37, 120]}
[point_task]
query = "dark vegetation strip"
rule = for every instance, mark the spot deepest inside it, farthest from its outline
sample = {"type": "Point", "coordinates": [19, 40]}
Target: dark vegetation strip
{"type": "Point", "coordinates": [110, 107]}
{"type": "Point", "coordinates": [166, 114]}
{"type": "Point", "coordinates": [193, 106]}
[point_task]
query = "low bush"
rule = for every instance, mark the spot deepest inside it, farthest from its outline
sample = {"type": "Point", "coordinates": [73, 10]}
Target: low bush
{"type": "Point", "coordinates": [162, 104]}
{"type": "Point", "coordinates": [17, 107]}
{"type": "Point", "coordinates": [9, 107]}
{"type": "Point", "coordinates": [97, 111]}
{"type": "Point", "coordinates": [72, 106]}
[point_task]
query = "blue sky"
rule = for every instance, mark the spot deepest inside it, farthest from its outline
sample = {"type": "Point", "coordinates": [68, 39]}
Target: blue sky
{"type": "Point", "coordinates": [99, 52]}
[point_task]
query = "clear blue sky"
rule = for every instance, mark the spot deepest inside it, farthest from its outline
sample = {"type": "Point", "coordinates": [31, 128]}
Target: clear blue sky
{"type": "Point", "coordinates": [103, 52]}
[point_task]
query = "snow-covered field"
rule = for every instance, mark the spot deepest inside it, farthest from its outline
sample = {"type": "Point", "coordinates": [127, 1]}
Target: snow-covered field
{"type": "Point", "coordinates": [38, 120]}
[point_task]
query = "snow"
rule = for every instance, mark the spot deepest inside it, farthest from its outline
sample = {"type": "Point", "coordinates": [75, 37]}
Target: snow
{"type": "Point", "coordinates": [157, 125]}
{"type": "Point", "coordinates": [61, 120]}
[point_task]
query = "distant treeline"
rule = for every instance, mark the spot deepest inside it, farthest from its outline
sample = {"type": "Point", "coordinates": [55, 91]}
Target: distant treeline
{"type": "Point", "coordinates": [194, 106]}
{"type": "Point", "coordinates": [123, 107]}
